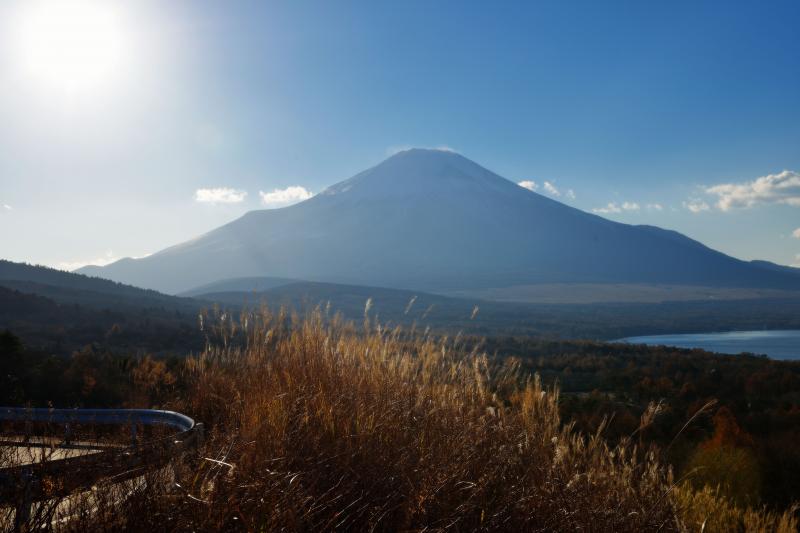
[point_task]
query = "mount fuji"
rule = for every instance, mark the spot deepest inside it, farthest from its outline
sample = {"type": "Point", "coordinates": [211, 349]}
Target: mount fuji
{"type": "Point", "coordinates": [434, 220]}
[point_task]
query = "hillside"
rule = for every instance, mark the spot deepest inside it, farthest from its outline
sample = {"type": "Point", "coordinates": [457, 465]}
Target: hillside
{"type": "Point", "coordinates": [238, 285]}
{"type": "Point", "coordinates": [97, 293]}
{"type": "Point", "coordinates": [434, 220]}
{"type": "Point", "coordinates": [59, 329]}
{"type": "Point", "coordinates": [61, 311]}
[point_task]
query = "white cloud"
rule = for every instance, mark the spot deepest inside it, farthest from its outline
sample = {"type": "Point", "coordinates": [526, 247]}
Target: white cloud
{"type": "Point", "coordinates": [781, 188]}
{"type": "Point", "coordinates": [551, 189]}
{"type": "Point", "coordinates": [7, 207]}
{"type": "Point", "coordinates": [220, 195]}
{"type": "Point", "coordinates": [283, 197]}
{"type": "Point", "coordinates": [610, 208]}
{"type": "Point", "coordinates": [613, 207]}
{"type": "Point", "coordinates": [548, 187]}
{"type": "Point", "coordinates": [655, 207]}
{"type": "Point", "coordinates": [696, 205]}
{"type": "Point", "coordinates": [796, 233]}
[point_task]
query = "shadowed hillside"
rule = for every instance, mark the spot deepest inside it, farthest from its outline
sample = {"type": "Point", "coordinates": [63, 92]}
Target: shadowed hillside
{"type": "Point", "coordinates": [61, 311]}
{"type": "Point", "coordinates": [72, 288]}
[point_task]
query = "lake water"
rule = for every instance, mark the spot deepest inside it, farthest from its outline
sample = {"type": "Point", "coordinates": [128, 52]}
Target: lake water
{"type": "Point", "coordinates": [777, 344]}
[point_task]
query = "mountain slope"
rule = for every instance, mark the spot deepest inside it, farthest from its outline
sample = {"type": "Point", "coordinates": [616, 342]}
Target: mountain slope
{"type": "Point", "coordinates": [434, 220]}
{"type": "Point", "coordinates": [59, 328]}
{"type": "Point", "coordinates": [71, 288]}
{"type": "Point", "coordinates": [255, 284]}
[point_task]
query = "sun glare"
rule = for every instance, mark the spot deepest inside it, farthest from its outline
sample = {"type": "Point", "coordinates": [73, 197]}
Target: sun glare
{"type": "Point", "coordinates": [76, 46]}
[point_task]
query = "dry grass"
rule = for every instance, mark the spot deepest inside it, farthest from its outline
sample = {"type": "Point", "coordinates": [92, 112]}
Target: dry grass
{"type": "Point", "coordinates": [314, 425]}
{"type": "Point", "coordinates": [707, 511]}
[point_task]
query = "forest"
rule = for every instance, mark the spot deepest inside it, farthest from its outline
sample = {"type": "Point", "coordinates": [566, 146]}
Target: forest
{"type": "Point", "coordinates": [744, 409]}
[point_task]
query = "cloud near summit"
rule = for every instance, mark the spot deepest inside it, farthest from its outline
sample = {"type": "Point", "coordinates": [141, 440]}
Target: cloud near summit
{"type": "Point", "coordinates": [220, 195]}
{"type": "Point", "coordinates": [551, 189]}
{"type": "Point", "coordinates": [284, 197]}
{"type": "Point", "coordinates": [547, 186]}
{"type": "Point", "coordinates": [613, 207]}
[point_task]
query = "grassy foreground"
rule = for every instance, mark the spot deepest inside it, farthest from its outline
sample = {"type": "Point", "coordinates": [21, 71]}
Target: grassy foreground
{"type": "Point", "coordinates": [315, 425]}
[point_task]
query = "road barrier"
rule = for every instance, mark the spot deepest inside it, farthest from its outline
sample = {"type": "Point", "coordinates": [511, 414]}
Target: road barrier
{"type": "Point", "coordinates": [22, 485]}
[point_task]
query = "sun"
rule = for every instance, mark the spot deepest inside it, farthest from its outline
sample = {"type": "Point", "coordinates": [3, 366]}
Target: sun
{"type": "Point", "coordinates": [76, 46]}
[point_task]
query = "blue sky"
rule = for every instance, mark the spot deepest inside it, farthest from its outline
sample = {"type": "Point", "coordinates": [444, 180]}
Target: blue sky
{"type": "Point", "coordinates": [682, 114]}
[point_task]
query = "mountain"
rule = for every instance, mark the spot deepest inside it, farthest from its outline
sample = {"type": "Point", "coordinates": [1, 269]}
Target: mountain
{"type": "Point", "coordinates": [434, 220]}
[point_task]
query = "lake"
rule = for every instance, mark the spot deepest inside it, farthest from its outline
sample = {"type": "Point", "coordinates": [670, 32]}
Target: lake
{"type": "Point", "coordinates": [777, 344]}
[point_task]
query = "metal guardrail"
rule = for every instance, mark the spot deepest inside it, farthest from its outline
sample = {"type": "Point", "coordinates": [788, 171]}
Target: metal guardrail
{"type": "Point", "coordinates": [97, 416]}
{"type": "Point", "coordinates": [23, 485]}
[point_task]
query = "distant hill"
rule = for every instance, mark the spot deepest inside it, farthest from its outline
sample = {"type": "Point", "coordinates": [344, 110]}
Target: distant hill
{"type": "Point", "coordinates": [60, 328]}
{"type": "Point", "coordinates": [478, 317]}
{"type": "Point", "coordinates": [61, 311]}
{"type": "Point", "coordinates": [71, 288]}
{"type": "Point", "coordinates": [239, 284]}
{"type": "Point", "coordinates": [776, 268]}
{"type": "Point", "coordinates": [433, 220]}
{"type": "Point", "coordinates": [350, 300]}
{"type": "Point", "coordinates": [588, 293]}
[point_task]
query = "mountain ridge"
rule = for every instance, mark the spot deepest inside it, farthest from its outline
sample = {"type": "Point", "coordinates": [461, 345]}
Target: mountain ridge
{"type": "Point", "coordinates": [93, 292]}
